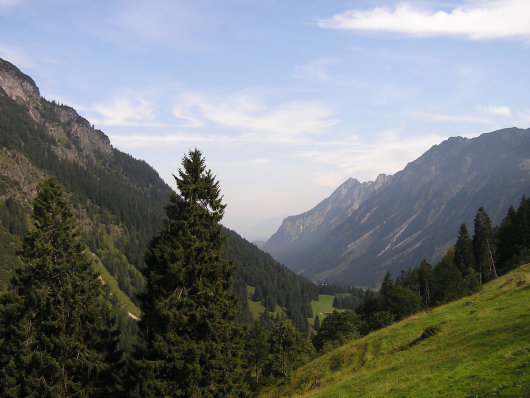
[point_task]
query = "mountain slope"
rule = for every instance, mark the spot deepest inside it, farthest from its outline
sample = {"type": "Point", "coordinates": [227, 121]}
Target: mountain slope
{"type": "Point", "coordinates": [299, 233]}
{"type": "Point", "coordinates": [476, 346]}
{"type": "Point", "coordinates": [416, 214]}
{"type": "Point", "coordinates": [119, 201]}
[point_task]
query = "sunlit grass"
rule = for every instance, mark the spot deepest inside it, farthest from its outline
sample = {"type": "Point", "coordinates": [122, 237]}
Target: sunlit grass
{"type": "Point", "coordinates": [123, 299]}
{"type": "Point", "coordinates": [324, 304]}
{"type": "Point", "coordinates": [481, 348]}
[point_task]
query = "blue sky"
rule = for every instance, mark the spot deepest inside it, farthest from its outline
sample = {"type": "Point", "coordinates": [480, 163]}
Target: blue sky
{"type": "Point", "coordinates": [286, 99]}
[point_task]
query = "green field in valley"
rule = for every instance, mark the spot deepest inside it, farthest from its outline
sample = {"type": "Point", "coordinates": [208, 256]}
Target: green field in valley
{"type": "Point", "coordinates": [324, 304]}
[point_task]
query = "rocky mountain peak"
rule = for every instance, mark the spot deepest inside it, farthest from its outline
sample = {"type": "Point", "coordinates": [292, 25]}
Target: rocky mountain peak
{"type": "Point", "coordinates": [76, 139]}
{"type": "Point", "coordinates": [17, 85]}
{"type": "Point", "coordinates": [304, 229]}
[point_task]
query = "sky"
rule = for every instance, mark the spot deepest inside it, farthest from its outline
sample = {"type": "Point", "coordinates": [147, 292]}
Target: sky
{"type": "Point", "coordinates": [286, 99]}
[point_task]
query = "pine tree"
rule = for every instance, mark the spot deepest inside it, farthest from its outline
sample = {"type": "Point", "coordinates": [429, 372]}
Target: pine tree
{"type": "Point", "coordinates": [464, 257]}
{"type": "Point", "coordinates": [57, 335]}
{"type": "Point", "coordinates": [189, 340]}
{"type": "Point", "coordinates": [387, 288]}
{"type": "Point", "coordinates": [514, 236]}
{"type": "Point", "coordinates": [425, 275]}
{"type": "Point", "coordinates": [464, 260]}
{"type": "Point", "coordinates": [483, 247]}
{"type": "Point", "coordinates": [447, 279]}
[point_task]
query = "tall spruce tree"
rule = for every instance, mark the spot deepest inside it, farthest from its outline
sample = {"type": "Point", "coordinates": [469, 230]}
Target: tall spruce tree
{"type": "Point", "coordinates": [57, 334]}
{"type": "Point", "coordinates": [464, 257]}
{"type": "Point", "coordinates": [514, 237]}
{"type": "Point", "coordinates": [189, 342]}
{"type": "Point", "coordinates": [483, 246]}
{"type": "Point", "coordinates": [425, 276]}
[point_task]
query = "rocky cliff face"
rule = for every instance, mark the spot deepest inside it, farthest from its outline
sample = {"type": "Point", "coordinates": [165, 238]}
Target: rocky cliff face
{"type": "Point", "coordinates": [415, 214]}
{"type": "Point", "coordinates": [76, 140]}
{"type": "Point", "coordinates": [17, 85]}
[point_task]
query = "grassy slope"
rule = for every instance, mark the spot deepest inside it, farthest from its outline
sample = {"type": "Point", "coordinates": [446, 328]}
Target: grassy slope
{"type": "Point", "coordinates": [256, 307]}
{"type": "Point", "coordinates": [324, 304]}
{"type": "Point", "coordinates": [125, 301]}
{"type": "Point", "coordinates": [482, 349]}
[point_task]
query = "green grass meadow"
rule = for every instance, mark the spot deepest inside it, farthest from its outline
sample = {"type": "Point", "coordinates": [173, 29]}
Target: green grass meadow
{"type": "Point", "coordinates": [479, 347]}
{"type": "Point", "coordinates": [124, 300]}
{"type": "Point", "coordinates": [324, 304]}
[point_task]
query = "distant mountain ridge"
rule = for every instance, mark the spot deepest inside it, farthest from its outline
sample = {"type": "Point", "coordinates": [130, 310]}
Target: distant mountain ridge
{"type": "Point", "coordinates": [413, 215]}
{"type": "Point", "coordinates": [299, 233]}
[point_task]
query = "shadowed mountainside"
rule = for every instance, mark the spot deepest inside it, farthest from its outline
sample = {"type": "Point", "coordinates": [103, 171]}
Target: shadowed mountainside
{"type": "Point", "coordinates": [410, 216]}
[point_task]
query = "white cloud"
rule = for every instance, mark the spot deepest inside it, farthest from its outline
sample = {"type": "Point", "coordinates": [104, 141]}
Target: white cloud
{"type": "Point", "coordinates": [257, 121]}
{"type": "Point", "coordinates": [123, 111]}
{"type": "Point", "coordinates": [366, 158]}
{"type": "Point", "coordinates": [475, 20]}
{"type": "Point", "coordinates": [496, 110]}
{"type": "Point", "coordinates": [191, 121]}
{"type": "Point", "coordinates": [163, 141]}
{"type": "Point", "coordinates": [462, 118]}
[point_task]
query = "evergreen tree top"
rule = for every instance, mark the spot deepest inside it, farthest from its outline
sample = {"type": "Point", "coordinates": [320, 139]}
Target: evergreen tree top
{"type": "Point", "coordinates": [198, 186]}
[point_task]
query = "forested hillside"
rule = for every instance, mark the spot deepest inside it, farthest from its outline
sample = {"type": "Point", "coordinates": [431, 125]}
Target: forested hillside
{"type": "Point", "coordinates": [118, 200]}
{"type": "Point", "coordinates": [274, 285]}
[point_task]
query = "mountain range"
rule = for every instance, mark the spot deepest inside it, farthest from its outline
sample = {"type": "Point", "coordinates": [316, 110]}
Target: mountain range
{"type": "Point", "coordinates": [364, 230]}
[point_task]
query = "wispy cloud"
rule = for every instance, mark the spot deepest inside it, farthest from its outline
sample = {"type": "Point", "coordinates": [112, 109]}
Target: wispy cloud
{"type": "Point", "coordinates": [352, 156]}
{"type": "Point", "coordinates": [495, 110]}
{"type": "Point", "coordinates": [123, 111]}
{"type": "Point", "coordinates": [450, 118]}
{"type": "Point", "coordinates": [255, 120]}
{"type": "Point", "coordinates": [163, 141]}
{"type": "Point", "coordinates": [477, 20]}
